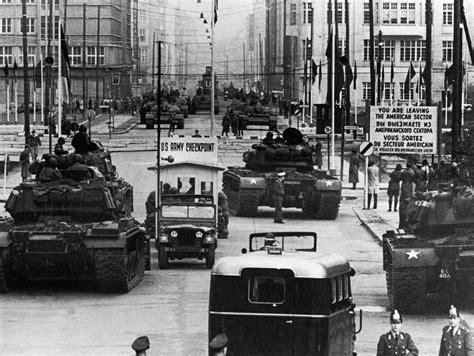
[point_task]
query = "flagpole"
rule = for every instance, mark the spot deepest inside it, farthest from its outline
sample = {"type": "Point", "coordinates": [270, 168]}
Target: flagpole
{"type": "Point", "coordinates": [16, 99]}
{"type": "Point", "coordinates": [60, 82]}
{"type": "Point", "coordinates": [8, 101]}
{"type": "Point", "coordinates": [212, 67]}
{"type": "Point", "coordinates": [419, 81]}
{"type": "Point", "coordinates": [355, 106]}
{"type": "Point", "coordinates": [34, 105]}
{"type": "Point", "coordinates": [462, 98]}
{"type": "Point", "coordinates": [42, 91]}
{"type": "Point", "coordinates": [333, 94]}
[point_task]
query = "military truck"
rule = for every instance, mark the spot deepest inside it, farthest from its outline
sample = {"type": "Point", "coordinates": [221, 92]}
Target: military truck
{"type": "Point", "coordinates": [435, 254]}
{"type": "Point", "coordinates": [315, 192]}
{"type": "Point", "coordinates": [77, 228]}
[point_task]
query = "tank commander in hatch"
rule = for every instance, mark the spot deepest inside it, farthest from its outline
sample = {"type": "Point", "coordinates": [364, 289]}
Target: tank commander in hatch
{"type": "Point", "coordinates": [396, 342]}
{"type": "Point", "coordinates": [50, 173]}
{"type": "Point", "coordinates": [268, 140]}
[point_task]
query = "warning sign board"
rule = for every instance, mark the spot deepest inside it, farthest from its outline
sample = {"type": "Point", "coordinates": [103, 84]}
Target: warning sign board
{"type": "Point", "coordinates": [404, 129]}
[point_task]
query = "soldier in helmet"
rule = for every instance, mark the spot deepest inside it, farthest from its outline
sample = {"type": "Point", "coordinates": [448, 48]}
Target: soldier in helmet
{"type": "Point", "coordinates": [456, 339]}
{"type": "Point", "coordinates": [50, 172]}
{"type": "Point", "coordinates": [396, 342]}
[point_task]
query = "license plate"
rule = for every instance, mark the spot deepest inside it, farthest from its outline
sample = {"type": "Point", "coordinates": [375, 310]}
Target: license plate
{"type": "Point", "coordinates": [444, 274]}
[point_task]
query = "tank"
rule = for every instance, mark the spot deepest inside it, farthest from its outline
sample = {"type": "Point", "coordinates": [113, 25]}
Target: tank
{"type": "Point", "coordinates": [258, 114]}
{"type": "Point", "coordinates": [202, 100]}
{"type": "Point", "coordinates": [315, 192]}
{"type": "Point", "coordinates": [435, 254]}
{"type": "Point", "coordinates": [73, 229]}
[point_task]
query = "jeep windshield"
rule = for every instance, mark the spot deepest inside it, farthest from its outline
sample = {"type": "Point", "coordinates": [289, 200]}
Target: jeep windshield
{"type": "Point", "coordinates": [188, 211]}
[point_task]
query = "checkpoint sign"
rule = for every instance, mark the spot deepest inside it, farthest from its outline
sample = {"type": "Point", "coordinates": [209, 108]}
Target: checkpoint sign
{"type": "Point", "coordinates": [327, 130]}
{"type": "Point", "coordinates": [366, 148]}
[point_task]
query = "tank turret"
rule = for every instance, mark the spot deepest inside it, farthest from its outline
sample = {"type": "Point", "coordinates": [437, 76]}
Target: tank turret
{"type": "Point", "coordinates": [288, 153]}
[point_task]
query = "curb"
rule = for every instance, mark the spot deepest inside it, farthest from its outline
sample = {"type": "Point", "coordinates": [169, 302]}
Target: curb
{"type": "Point", "coordinates": [374, 223]}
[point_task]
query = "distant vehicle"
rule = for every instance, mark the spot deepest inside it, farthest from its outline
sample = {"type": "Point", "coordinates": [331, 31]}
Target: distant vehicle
{"type": "Point", "coordinates": [21, 107]}
{"type": "Point", "coordinates": [283, 298]}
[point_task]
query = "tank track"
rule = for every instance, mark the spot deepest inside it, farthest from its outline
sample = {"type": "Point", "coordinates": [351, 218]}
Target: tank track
{"type": "Point", "coordinates": [243, 202]}
{"type": "Point", "coordinates": [407, 289]}
{"type": "Point", "coordinates": [3, 276]}
{"type": "Point", "coordinates": [329, 205]}
{"type": "Point", "coordinates": [310, 206]}
{"type": "Point", "coordinates": [118, 270]}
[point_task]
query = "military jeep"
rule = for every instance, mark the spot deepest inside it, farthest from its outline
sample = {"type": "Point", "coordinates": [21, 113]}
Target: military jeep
{"type": "Point", "coordinates": [187, 229]}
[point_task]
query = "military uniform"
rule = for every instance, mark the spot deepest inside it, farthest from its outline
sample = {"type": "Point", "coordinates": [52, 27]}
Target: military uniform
{"type": "Point", "coordinates": [389, 344]}
{"type": "Point", "coordinates": [458, 344]}
{"type": "Point", "coordinates": [278, 191]}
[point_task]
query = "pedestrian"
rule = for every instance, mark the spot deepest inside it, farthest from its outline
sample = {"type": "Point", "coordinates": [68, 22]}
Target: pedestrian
{"type": "Point", "coordinates": [278, 194]}
{"type": "Point", "coordinates": [25, 163]}
{"type": "Point", "coordinates": [241, 126]}
{"type": "Point", "coordinates": [396, 342]}
{"type": "Point", "coordinates": [393, 189]}
{"type": "Point", "coordinates": [196, 134]}
{"type": "Point", "coordinates": [318, 154]}
{"type": "Point", "coordinates": [80, 141]}
{"type": "Point", "coordinates": [354, 164]}
{"type": "Point", "coordinates": [140, 345]}
{"type": "Point", "coordinates": [225, 125]}
{"type": "Point", "coordinates": [172, 125]}
{"type": "Point", "coordinates": [234, 122]}
{"type": "Point", "coordinates": [58, 147]}
{"type": "Point", "coordinates": [427, 171]}
{"type": "Point", "coordinates": [456, 339]}
{"type": "Point", "coordinates": [406, 195]}
{"type": "Point", "coordinates": [420, 179]}
{"type": "Point", "coordinates": [372, 183]}
{"type": "Point", "coordinates": [218, 345]}
{"type": "Point", "coordinates": [34, 142]}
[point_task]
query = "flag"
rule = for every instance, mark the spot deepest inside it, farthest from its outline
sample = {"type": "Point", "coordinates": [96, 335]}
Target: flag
{"type": "Point", "coordinates": [349, 74]}
{"type": "Point", "coordinates": [425, 77]}
{"type": "Point", "coordinates": [419, 81]}
{"type": "Point", "coordinates": [382, 82]}
{"type": "Point", "coordinates": [65, 67]}
{"type": "Point", "coordinates": [338, 70]}
{"type": "Point", "coordinates": [314, 68]}
{"type": "Point", "coordinates": [37, 75]}
{"type": "Point", "coordinates": [5, 70]}
{"type": "Point", "coordinates": [215, 11]}
{"type": "Point", "coordinates": [15, 67]}
{"type": "Point", "coordinates": [355, 75]}
{"type": "Point", "coordinates": [320, 75]}
{"type": "Point", "coordinates": [449, 74]}
{"type": "Point", "coordinates": [392, 73]}
{"type": "Point", "coordinates": [410, 74]}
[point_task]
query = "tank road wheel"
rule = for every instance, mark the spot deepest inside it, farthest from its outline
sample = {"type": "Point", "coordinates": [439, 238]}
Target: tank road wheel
{"type": "Point", "coordinates": [247, 203]}
{"type": "Point", "coordinates": [211, 256]}
{"type": "Point", "coordinates": [329, 205]}
{"type": "Point", "coordinates": [162, 258]}
{"type": "Point", "coordinates": [120, 270]}
{"type": "Point", "coordinates": [407, 289]}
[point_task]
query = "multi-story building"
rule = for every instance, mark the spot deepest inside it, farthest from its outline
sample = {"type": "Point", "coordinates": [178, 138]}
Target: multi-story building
{"type": "Point", "coordinates": [99, 44]}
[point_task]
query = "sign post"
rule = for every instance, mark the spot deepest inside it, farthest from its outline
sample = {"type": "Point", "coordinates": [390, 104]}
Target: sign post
{"type": "Point", "coordinates": [328, 131]}
{"type": "Point", "coordinates": [366, 148]}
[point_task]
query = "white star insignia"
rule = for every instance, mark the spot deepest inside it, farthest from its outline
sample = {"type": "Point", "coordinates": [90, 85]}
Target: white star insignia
{"type": "Point", "coordinates": [253, 181]}
{"type": "Point", "coordinates": [412, 254]}
{"type": "Point", "coordinates": [328, 183]}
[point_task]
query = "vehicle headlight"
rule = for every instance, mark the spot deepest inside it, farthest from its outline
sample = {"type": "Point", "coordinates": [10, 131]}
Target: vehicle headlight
{"type": "Point", "coordinates": [174, 233]}
{"type": "Point", "coordinates": [164, 239]}
{"type": "Point", "coordinates": [208, 240]}
{"type": "Point", "coordinates": [199, 234]}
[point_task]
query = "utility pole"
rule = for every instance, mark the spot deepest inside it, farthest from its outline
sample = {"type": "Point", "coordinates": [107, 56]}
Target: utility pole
{"type": "Point", "coordinates": [26, 80]}
{"type": "Point", "coordinates": [158, 146]}
{"type": "Point", "coordinates": [153, 63]}
{"type": "Point", "coordinates": [458, 77]}
{"type": "Point", "coordinates": [97, 57]}
{"type": "Point", "coordinates": [243, 76]}
{"type": "Point", "coordinates": [372, 53]}
{"type": "Point", "coordinates": [49, 83]}
{"type": "Point", "coordinates": [429, 44]}
{"type": "Point", "coordinates": [347, 91]}
{"type": "Point", "coordinates": [84, 93]}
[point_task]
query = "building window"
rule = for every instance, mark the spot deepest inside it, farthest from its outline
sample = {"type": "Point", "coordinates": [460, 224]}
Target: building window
{"type": "Point", "coordinates": [366, 50]}
{"type": "Point", "coordinates": [101, 55]}
{"type": "Point", "coordinates": [292, 14]}
{"type": "Point", "coordinates": [46, 3]}
{"type": "Point", "coordinates": [412, 50]}
{"type": "Point", "coordinates": [6, 25]}
{"type": "Point", "coordinates": [31, 56]}
{"type": "Point", "coordinates": [6, 55]}
{"type": "Point", "coordinates": [30, 25]}
{"type": "Point", "coordinates": [143, 55]}
{"type": "Point", "coordinates": [339, 16]}
{"type": "Point", "coordinates": [91, 55]}
{"type": "Point", "coordinates": [447, 51]}
{"type": "Point", "coordinates": [366, 90]}
{"type": "Point", "coordinates": [386, 91]}
{"type": "Point", "coordinates": [76, 56]}
{"type": "Point", "coordinates": [141, 36]}
{"type": "Point", "coordinates": [387, 50]}
{"type": "Point", "coordinates": [6, 1]}
{"type": "Point", "coordinates": [307, 13]}
{"type": "Point", "coordinates": [447, 14]}
{"type": "Point", "coordinates": [395, 13]}
{"type": "Point", "coordinates": [366, 13]}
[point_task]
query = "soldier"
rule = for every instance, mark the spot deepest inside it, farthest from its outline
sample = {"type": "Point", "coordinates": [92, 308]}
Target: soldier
{"type": "Point", "coordinates": [59, 148]}
{"type": "Point", "coordinates": [218, 345]}
{"type": "Point", "coordinates": [278, 192]}
{"type": "Point", "coordinates": [396, 342]}
{"type": "Point", "coordinates": [354, 168]}
{"type": "Point", "coordinates": [456, 339]}
{"type": "Point", "coordinates": [140, 345]}
{"type": "Point", "coordinates": [50, 172]}
{"type": "Point", "coordinates": [25, 163]}
{"type": "Point", "coordinates": [406, 195]}
{"type": "Point", "coordinates": [373, 183]}
{"type": "Point", "coordinates": [34, 142]}
{"type": "Point", "coordinates": [393, 189]}
{"type": "Point", "coordinates": [268, 140]}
